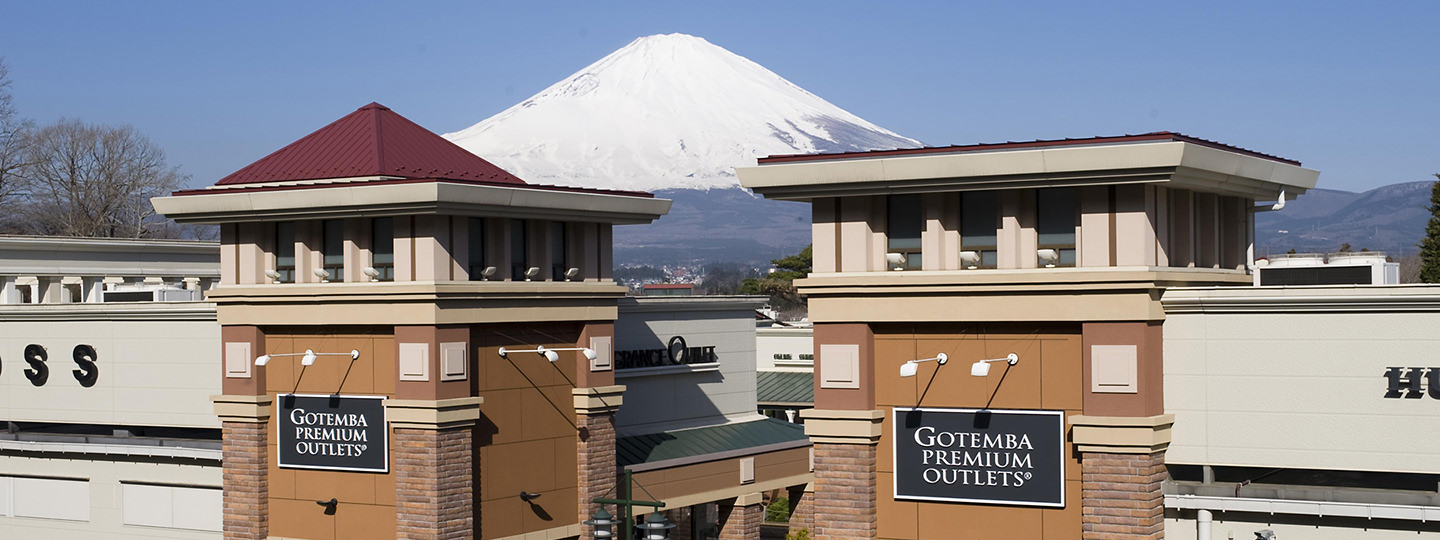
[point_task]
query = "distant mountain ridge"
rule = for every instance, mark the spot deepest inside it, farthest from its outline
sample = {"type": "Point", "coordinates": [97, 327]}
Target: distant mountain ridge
{"type": "Point", "coordinates": [1388, 218]}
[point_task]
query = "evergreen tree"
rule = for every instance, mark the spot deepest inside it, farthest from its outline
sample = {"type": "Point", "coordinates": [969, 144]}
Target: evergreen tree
{"type": "Point", "coordinates": [780, 284]}
{"type": "Point", "coordinates": [1430, 246]}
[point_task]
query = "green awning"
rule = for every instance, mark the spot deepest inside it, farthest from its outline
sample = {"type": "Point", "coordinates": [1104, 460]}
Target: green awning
{"type": "Point", "coordinates": [785, 388]}
{"type": "Point", "coordinates": [731, 439]}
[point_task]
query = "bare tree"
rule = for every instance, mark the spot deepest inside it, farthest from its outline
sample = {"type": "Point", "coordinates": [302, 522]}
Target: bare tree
{"type": "Point", "coordinates": [94, 180]}
{"type": "Point", "coordinates": [13, 132]}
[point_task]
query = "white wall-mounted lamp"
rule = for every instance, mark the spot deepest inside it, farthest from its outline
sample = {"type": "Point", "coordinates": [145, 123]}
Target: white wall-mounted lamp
{"type": "Point", "coordinates": [273, 275]}
{"type": "Point", "coordinates": [549, 354]}
{"type": "Point", "coordinates": [531, 272]}
{"type": "Point", "coordinates": [307, 358]}
{"type": "Point", "coordinates": [322, 273]}
{"type": "Point", "coordinates": [571, 273]}
{"type": "Point", "coordinates": [371, 273]}
{"type": "Point", "coordinates": [895, 260]}
{"type": "Point", "coordinates": [1050, 256]}
{"type": "Point", "coordinates": [981, 368]}
{"type": "Point", "coordinates": [908, 369]}
{"type": "Point", "coordinates": [970, 259]}
{"type": "Point", "coordinates": [487, 272]}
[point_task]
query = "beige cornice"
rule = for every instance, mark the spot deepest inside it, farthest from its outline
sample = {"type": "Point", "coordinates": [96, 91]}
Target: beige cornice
{"type": "Point", "coordinates": [420, 303]}
{"type": "Point", "coordinates": [242, 408]}
{"type": "Point", "coordinates": [355, 200]}
{"type": "Point", "coordinates": [599, 399]}
{"type": "Point", "coordinates": [433, 414]}
{"type": "Point", "coordinates": [843, 426]}
{"type": "Point", "coordinates": [1029, 295]}
{"type": "Point", "coordinates": [1121, 435]}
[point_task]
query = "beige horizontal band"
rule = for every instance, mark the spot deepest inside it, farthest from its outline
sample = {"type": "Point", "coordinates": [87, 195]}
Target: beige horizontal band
{"type": "Point", "coordinates": [1120, 434]}
{"type": "Point", "coordinates": [242, 408]}
{"type": "Point", "coordinates": [736, 491]}
{"type": "Point", "coordinates": [599, 399]}
{"type": "Point", "coordinates": [749, 499]}
{"type": "Point", "coordinates": [433, 414]}
{"type": "Point", "coordinates": [843, 426]}
{"type": "Point", "coordinates": [557, 533]}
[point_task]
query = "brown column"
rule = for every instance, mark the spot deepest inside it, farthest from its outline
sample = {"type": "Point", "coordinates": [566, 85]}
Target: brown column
{"type": "Point", "coordinates": [1120, 496]}
{"type": "Point", "coordinates": [740, 518]}
{"type": "Point", "coordinates": [845, 471]}
{"type": "Point", "coordinates": [802, 508]}
{"type": "Point", "coordinates": [245, 447]}
{"type": "Point", "coordinates": [595, 416]}
{"type": "Point", "coordinates": [435, 467]}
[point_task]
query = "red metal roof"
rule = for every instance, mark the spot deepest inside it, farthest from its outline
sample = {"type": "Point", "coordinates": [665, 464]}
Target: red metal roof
{"type": "Point", "coordinates": [1143, 137]}
{"type": "Point", "coordinates": [372, 141]}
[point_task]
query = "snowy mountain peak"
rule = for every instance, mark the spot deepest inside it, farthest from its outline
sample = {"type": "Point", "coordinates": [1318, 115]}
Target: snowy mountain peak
{"type": "Point", "coordinates": [665, 112]}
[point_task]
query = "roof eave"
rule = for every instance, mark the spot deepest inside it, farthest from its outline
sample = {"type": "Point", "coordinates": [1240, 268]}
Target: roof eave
{"type": "Point", "coordinates": [440, 197]}
{"type": "Point", "coordinates": [1190, 165]}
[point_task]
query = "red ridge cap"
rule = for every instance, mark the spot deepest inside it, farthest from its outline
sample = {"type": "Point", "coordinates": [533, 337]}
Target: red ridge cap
{"type": "Point", "coordinates": [393, 181]}
{"type": "Point", "coordinates": [1039, 143]}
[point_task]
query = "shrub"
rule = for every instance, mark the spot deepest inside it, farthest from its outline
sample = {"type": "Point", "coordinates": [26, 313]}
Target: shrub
{"type": "Point", "coordinates": [778, 511]}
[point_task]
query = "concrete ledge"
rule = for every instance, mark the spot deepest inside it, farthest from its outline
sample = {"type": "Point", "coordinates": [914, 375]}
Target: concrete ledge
{"type": "Point", "coordinates": [1121, 435]}
{"type": "Point", "coordinates": [433, 414]}
{"type": "Point", "coordinates": [598, 400]}
{"type": "Point", "coordinates": [557, 533]}
{"type": "Point", "coordinates": [749, 499]}
{"type": "Point", "coordinates": [249, 409]}
{"type": "Point", "coordinates": [736, 492]}
{"type": "Point", "coordinates": [843, 427]}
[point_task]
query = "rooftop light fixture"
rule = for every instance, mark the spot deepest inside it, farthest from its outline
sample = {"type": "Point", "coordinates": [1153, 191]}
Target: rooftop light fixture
{"type": "Point", "coordinates": [1050, 256]}
{"type": "Point", "coordinates": [273, 275]}
{"type": "Point", "coordinates": [970, 259]}
{"type": "Point", "coordinates": [908, 369]}
{"type": "Point", "coordinates": [307, 358]}
{"type": "Point", "coordinates": [549, 354]}
{"type": "Point", "coordinates": [895, 260]}
{"type": "Point", "coordinates": [371, 273]}
{"type": "Point", "coordinates": [981, 368]}
{"type": "Point", "coordinates": [322, 273]}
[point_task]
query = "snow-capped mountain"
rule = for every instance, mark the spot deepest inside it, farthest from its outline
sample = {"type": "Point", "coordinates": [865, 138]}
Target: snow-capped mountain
{"type": "Point", "coordinates": [665, 112]}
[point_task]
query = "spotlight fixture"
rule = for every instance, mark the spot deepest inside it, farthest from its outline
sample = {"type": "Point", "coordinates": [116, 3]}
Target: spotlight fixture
{"type": "Point", "coordinates": [307, 358]}
{"type": "Point", "coordinates": [322, 273]}
{"type": "Point", "coordinates": [531, 272]}
{"type": "Point", "coordinates": [970, 259]}
{"type": "Point", "coordinates": [1050, 256]}
{"type": "Point", "coordinates": [273, 275]}
{"type": "Point", "coordinates": [549, 354]}
{"type": "Point", "coordinates": [895, 260]}
{"type": "Point", "coordinates": [981, 368]}
{"type": "Point", "coordinates": [527, 496]}
{"type": "Point", "coordinates": [910, 368]}
{"type": "Point", "coordinates": [571, 273]}
{"type": "Point", "coordinates": [371, 273]}
{"type": "Point", "coordinates": [487, 272]}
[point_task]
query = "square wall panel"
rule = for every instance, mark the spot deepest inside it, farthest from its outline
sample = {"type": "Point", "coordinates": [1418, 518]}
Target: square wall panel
{"type": "Point", "coordinates": [1113, 369]}
{"type": "Point", "coordinates": [839, 366]}
{"type": "Point", "coordinates": [452, 361]}
{"type": "Point", "coordinates": [415, 362]}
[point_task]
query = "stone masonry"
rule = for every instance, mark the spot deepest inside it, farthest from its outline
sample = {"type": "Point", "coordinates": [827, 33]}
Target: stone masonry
{"type": "Point", "coordinates": [802, 509]}
{"type": "Point", "coordinates": [1120, 496]}
{"type": "Point", "coordinates": [434, 487]}
{"type": "Point", "coordinates": [597, 463]}
{"type": "Point", "coordinates": [741, 522]}
{"type": "Point", "coordinates": [845, 492]}
{"type": "Point", "coordinates": [245, 450]}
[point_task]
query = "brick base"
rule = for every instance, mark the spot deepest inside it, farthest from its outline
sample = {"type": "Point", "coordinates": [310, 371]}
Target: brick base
{"type": "Point", "coordinates": [245, 450]}
{"type": "Point", "coordinates": [845, 491]}
{"type": "Point", "coordinates": [802, 509]}
{"type": "Point", "coordinates": [1120, 497]}
{"type": "Point", "coordinates": [741, 522]}
{"type": "Point", "coordinates": [597, 465]}
{"type": "Point", "coordinates": [434, 487]}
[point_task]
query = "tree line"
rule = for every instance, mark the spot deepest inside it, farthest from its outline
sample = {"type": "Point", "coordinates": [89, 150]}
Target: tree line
{"type": "Point", "coordinates": [72, 178]}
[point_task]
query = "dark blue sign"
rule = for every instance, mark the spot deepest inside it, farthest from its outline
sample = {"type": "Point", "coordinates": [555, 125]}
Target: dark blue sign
{"type": "Point", "coordinates": [338, 433]}
{"type": "Point", "coordinates": [980, 456]}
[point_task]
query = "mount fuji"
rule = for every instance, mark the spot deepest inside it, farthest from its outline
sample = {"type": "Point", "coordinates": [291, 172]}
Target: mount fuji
{"type": "Point", "coordinates": [675, 114]}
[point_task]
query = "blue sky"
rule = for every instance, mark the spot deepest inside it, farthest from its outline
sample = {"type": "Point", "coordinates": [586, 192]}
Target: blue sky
{"type": "Point", "coordinates": [1350, 89]}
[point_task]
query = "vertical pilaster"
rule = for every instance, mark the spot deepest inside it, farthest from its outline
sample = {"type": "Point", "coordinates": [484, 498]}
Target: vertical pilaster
{"type": "Point", "coordinates": [595, 415]}
{"type": "Point", "coordinates": [846, 495]}
{"type": "Point", "coordinates": [1120, 496]}
{"type": "Point", "coordinates": [434, 467]}
{"type": "Point", "coordinates": [245, 447]}
{"type": "Point", "coordinates": [802, 507]}
{"type": "Point", "coordinates": [740, 518]}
